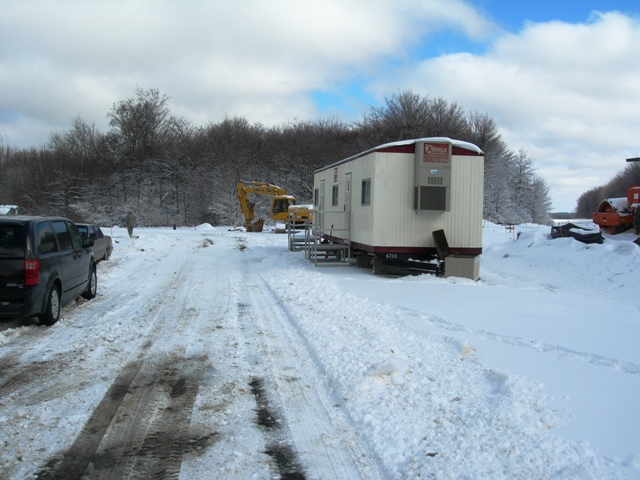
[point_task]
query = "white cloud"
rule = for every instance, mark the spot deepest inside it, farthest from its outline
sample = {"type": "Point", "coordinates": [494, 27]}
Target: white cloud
{"type": "Point", "coordinates": [254, 58]}
{"type": "Point", "coordinates": [568, 94]}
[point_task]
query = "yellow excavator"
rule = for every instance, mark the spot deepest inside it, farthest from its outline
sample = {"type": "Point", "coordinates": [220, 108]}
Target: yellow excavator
{"type": "Point", "coordinates": [280, 203]}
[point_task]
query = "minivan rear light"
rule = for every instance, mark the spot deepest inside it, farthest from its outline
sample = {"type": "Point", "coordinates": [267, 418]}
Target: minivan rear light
{"type": "Point", "coordinates": [31, 272]}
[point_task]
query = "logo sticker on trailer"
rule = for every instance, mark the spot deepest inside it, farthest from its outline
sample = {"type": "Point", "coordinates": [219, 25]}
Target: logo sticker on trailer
{"type": "Point", "coordinates": [436, 153]}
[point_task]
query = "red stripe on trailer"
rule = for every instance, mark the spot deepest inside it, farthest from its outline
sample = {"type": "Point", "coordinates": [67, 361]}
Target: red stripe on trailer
{"type": "Point", "coordinates": [407, 250]}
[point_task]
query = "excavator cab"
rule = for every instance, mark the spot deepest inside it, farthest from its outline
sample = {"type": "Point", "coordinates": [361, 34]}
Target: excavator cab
{"type": "Point", "coordinates": [280, 207]}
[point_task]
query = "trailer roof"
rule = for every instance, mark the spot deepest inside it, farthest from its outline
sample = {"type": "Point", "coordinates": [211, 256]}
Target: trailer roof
{"type": "Point", "coordinates": [470, 147]}
{"type": "Point", "coordinates": [456, 143]}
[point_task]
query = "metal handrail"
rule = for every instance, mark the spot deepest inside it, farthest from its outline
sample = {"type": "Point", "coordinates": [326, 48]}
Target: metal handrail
{"type": "Point", "coordinates": [314, 236]}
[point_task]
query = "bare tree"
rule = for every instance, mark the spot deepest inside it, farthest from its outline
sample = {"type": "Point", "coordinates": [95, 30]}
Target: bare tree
{"type": "Point", "coordinates": [446, 120]}
{"type": "Point", "coordinates": [139, 124]}
{"type": "Point", "coordinates": [521, 181]}
{"type": "Point", "coordinates": [540, 201]}
{"type": "Point", "coordinates": [589, 202]}
{"type": "Point", "coordinates": [498, 200]}
{"type": "Point", "coordinates": [483, 131]}
{"type": "Point", "coordinates": [407, 115]}
{"type": "Point", "coordinates": [177, 173]}
{"type": "Point", "coordinates": [404, 116]}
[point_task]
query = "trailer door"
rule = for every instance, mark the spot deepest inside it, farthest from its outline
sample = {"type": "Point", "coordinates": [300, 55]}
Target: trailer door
{"type": "Point", "coordinates": [321, 206]}
{"type": "Point", "coordinates": [347, 205]}
{"type": "Point", "coordinates": [347, 192]}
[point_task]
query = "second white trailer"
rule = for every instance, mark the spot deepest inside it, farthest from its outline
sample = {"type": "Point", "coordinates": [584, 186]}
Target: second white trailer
{"type": "Point", "coordinates": [387, 202]}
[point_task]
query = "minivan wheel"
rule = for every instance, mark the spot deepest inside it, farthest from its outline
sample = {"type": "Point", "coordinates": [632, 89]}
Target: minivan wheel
{"type": "Point", "coordinates": [52, 313]}
{"type": "Point", "coordinates": [92, 287]}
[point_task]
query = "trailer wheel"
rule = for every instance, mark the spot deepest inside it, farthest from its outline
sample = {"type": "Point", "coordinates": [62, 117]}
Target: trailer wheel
{"type": "Point", "coordinates": [378, 267]}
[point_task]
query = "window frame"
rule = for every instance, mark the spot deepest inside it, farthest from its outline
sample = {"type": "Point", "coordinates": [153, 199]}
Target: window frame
{"type": "Point", "coordinates": [61, 229]}
{"type": "Point", "coordinates": [365, 192]}
{"type": "Point", "coordinates": [45, 235]}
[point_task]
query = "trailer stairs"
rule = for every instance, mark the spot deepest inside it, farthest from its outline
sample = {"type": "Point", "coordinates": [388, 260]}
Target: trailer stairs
{"type": "Point", "coordinates": [315, 241]}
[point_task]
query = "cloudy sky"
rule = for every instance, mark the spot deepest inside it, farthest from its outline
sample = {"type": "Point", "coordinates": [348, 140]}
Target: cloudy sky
{"type": "Point", "coordinates": [561, 78]}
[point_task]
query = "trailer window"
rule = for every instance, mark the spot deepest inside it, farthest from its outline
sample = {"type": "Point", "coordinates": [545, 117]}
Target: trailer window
{"type": "Point", "coordinates": [316, 196]}
{"type": "Point", "coordinates": [365, 197]}
{"type": "Point", "coordinates": [334, 196]}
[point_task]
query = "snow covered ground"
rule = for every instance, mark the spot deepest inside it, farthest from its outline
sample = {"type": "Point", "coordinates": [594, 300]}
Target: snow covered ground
{"type": "Point", "coordinates": [211, 353]}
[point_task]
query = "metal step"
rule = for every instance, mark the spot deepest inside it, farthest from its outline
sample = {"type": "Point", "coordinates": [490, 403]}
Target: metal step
{"type": "Point", "coordinates": [328, 254]}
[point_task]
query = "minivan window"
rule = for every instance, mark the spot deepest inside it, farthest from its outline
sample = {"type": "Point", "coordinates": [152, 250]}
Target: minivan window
{"type": "Point", "coordinates": [45, 239]}
{"type": "Point", "coordinates": [62, 232]}
{"type": "Point", "coordinates": [76, 236]}
{"type": "Point", "coordinates": [12, 240]}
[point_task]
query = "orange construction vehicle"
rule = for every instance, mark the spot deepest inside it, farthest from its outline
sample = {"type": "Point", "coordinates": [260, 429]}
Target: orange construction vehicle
{"type": "Point", "coordinates": [616, 215]}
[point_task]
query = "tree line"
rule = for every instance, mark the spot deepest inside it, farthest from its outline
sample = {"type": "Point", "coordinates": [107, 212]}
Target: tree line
{"type": "Point", "coordinates": [171, 172]}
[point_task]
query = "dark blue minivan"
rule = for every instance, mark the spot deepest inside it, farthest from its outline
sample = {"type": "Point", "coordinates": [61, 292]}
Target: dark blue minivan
{"type": "Point", "coordinates": [44, 263]}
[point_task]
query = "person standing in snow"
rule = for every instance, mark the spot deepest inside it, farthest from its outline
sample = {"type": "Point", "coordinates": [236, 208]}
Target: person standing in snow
{"type": "Point", "coordinates": [636, 220]}
{"type": "Point", "coordinates": [130, 222]}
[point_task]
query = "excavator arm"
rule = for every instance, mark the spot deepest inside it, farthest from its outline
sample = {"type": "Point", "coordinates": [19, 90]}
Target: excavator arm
{"type": "Point", "coordinates": [245, 205]}
{"type": "Point", "coordinates": [261, 188]}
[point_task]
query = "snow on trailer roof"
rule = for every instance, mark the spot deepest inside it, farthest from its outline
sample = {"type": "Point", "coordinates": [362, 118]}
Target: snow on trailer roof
{"type": "Point", "coordinates": [456, 143]}
{"type": "Point", "coordinates": [402, 143]}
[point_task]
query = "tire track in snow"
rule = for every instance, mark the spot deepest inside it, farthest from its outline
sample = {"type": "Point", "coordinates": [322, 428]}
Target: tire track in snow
{"type": "Point", "coordinates": [320, 435]}
{"type": "Point", "coordinates": [141, 427]}
{"type": "Point", "coordinates": [82, 319]}
{"type": "Point", "coordinates": [150, 433]}
{"type": "Point", "coordinates": [38, 375]}
{"type": "Point", "coordinates": [559, 351]}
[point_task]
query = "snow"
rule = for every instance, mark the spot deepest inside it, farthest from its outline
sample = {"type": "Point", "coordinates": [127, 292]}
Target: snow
{"type": "Point", "coordinates": [456, 143]}
{"type": "Point", "coordinates": [531, 372]}
{"type": "Point", "coordinates": [620, 204]}
{"type": "Point", "coordinates": [584, 230]}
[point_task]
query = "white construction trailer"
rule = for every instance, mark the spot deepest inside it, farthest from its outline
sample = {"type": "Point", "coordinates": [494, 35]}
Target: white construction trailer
{"type": "Point", "coordinates": [414, 204]}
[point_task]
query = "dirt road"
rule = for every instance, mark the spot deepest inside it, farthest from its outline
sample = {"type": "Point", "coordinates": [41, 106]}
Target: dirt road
{"type": "Point", "coordinates": [186, 365]}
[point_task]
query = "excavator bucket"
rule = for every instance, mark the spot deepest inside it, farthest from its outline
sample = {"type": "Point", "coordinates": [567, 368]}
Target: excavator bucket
{"type": "Point", "coordinates": [256, 226]}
